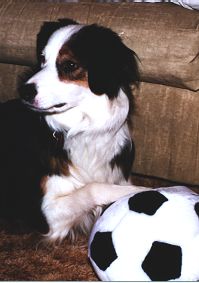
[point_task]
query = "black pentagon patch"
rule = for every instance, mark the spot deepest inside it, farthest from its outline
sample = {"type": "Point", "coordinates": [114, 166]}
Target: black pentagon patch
{"type": "Point", "coordinates": [196, 207]}
{"type": "Point", "coordinates": [146, 202]}
{"type": "Point", "coordinates": [163, 262]}
{"type": "Point", "coordinates": [102, 250]}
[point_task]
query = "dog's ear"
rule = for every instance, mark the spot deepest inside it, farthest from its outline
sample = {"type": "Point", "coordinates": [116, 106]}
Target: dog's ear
{"type": "Point", "coordinates": [113, 69]}
{"type": "Point", "coordinates": [111, 65]}
{"type": "Point", "coordinates": [47, 29]}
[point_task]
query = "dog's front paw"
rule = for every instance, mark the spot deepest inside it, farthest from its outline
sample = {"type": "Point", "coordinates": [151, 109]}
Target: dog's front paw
{"type": "Point", "coordinates": [57, 233]}
{"type": "Point", "coordinates": [59, 218]}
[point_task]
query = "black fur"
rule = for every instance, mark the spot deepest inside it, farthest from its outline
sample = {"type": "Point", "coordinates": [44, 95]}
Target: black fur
{"type": "Point", "coordinates": [26, 147]}
{"type": "Point", "coordinates": [125, 158]}
{"type": "Point", "coordinates": [110, 64]}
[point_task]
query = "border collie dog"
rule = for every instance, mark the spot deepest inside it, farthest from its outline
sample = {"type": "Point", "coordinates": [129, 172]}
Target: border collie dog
{"type": "Point", "coordinates": [83, 89]}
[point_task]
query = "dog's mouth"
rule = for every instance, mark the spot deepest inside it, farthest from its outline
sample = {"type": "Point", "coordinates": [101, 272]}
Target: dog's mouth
{"type": "Point", "coordinates": [60, 105]}
{"type": "Point", "coordinates": [57, 108]}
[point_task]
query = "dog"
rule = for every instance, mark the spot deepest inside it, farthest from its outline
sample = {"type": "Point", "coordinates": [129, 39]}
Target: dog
{"type": "Point", "coordinates": [84, 91]}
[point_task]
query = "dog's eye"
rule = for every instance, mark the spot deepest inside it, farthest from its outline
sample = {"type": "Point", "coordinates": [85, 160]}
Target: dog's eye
{"type": "Point", "coordinates": [70, 66]}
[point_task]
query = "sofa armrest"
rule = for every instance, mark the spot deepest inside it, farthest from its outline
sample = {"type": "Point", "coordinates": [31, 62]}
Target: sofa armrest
{"type": "Point", "coordinates": [165, 36]}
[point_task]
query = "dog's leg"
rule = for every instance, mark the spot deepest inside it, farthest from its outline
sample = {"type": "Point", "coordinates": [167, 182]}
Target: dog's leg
{"type": "Point", "coordinates": [55, 208]}
{"type": "Point", "coordinates": [65, 208]}
{"type": "Point", "coordinates": [102, 194]}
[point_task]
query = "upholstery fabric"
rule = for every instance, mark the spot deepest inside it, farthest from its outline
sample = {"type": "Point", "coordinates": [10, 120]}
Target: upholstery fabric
{"type": "Point", "coordinates": [166, 132]}
{"type": "Point", "coordinates": [176, 60]}
{"type": "Point", "coordinates": [11, 76]}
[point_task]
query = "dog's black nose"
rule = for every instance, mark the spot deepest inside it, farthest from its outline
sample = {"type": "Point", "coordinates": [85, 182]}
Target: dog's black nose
{"type": "Point", "coordinates": [28, 92]}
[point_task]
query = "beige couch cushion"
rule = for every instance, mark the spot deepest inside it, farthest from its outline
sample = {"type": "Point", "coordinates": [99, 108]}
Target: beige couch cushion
{"type": "Point", "coordinates": [165, 36]}
{"type": "Point", "coordinates": [166, 133]}
{"type": "Point", "coordinates": [10, 78]}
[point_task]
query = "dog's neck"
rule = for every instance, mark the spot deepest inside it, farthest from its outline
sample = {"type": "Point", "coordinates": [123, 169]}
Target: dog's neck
{"type": "Point", "coordinates": [93, 117]}
{"type": "Point", "coordinates": [92, 143]}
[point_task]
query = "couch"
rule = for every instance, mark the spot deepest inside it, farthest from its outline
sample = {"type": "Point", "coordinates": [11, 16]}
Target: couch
{"type": "Point", "coordinates": [166, 39]}
{"type": "Point", "coordinates": [165, 120]}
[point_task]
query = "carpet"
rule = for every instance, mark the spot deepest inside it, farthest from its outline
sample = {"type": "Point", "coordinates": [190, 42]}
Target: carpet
{"type": "Point", "coordinates": [24, 256]}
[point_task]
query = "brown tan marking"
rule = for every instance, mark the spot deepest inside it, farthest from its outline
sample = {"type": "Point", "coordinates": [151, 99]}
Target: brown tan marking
{"type": "Point", "coordinates": [43, 182]}
{"type": "Point", "coordinates": [79, 75]}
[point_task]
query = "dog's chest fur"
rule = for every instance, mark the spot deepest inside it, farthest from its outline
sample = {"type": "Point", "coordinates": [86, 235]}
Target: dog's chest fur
{"type": "Point", "coordinates": [93, 157]}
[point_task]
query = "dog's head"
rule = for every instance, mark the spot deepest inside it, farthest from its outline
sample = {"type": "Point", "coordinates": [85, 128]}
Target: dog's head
{"type": "Point", "coordinates": [83, 65]}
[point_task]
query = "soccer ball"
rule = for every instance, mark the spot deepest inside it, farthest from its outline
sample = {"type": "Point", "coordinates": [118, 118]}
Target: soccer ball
{"type": "Point", "coordinates": [151, 235]}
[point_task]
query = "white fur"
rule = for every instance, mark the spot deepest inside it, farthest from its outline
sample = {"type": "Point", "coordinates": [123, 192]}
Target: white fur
{"type": "Point", "coordinates": [95, 130]}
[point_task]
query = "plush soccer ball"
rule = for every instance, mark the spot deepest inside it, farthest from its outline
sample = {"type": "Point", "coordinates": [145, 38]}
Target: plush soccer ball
{"type": "Point", "coordinates": [151, 235]}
